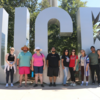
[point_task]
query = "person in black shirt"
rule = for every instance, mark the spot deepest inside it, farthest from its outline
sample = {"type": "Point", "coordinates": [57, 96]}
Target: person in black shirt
{"type": "Point", "coordinates": [53, 64]}
{"type": "Point", "coordinates": [98, 51]}
{"type": "Point", "coordinates": [65, 65]}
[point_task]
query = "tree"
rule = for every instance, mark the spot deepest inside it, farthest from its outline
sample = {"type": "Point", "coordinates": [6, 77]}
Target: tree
{"type": "Point", "coordinates": [71, 6]}
{"type": "Point", "coordinates": [9, 6]}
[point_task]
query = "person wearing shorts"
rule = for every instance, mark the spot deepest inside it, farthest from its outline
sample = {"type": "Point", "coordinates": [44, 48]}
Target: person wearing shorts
{"type": "Point", "coordinates": [23, 64]}
{"type": "Point", "coordinates": [38, 64]}
{"type": "Point", "coordinates": [53, 64]}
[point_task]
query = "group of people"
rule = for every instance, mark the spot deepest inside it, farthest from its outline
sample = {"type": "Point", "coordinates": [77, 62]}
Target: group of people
{"type": "Point", "coordinates": [36, 62]}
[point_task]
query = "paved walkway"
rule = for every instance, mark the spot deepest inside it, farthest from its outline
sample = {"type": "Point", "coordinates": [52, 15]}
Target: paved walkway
{"type": "Point", "coordinates": [92, 92]}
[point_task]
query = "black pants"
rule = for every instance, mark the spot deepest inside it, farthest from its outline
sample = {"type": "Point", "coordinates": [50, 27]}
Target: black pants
{"type": "Point", "coordinates": [11, 72]}
{"type": "Point", "coordinates": [72, 72]}
{"type": "Point", "coordinates": [93, 69]}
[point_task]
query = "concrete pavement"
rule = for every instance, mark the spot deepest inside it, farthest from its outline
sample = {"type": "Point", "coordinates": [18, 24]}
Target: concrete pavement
{"type": "Point", "coordinates": [92, 92]}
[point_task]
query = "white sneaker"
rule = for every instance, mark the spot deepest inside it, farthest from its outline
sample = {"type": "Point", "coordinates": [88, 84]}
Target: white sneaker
{"type": "Point", "coordinates": [11, 84]}
{"type": "Point", "coordinates": [71, 84]}
{"type": "Point", "coordinates": [6, 85]}
{"type": "Point", "coordinates": [74, 84]}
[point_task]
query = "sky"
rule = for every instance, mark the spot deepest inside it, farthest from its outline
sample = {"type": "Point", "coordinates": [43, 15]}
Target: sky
{"type": "Point", "coordinates": [90, 3]}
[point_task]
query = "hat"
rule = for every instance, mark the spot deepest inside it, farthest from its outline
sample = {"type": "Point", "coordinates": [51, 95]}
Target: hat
{"type": "Point", "coordinates": [24, 47]}
{"type": "Point", "coordinates": [37, 48]}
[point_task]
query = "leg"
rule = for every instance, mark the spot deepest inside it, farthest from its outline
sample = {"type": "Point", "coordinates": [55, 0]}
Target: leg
{"type": "Point", "coordinates": [41, 78]}
{"type": "Point", "coordinates": [71, 73]}
{"type": "Point", "coordinates": [21, 76]}
{"type": "Point", "coordinates": [97, 72]}
{"type": "Point", "coordinates": [92, 73]}
{"type": "Point", "coordinates": [36, 78]}
{"type": "Point", "coordinates": [65, 76]}
{"type": "Point", "coordinates": [50, 79]}
{"type": "Point", "coordinates": [82, 73]}
{"type": "Point", "coordinates": [25, 79]}
{"type": "Point", "coordinates": [7, 76]}
{"type": "Point", "coordinates": [12, 74]}
{"type": "Point", "coordinates": [87, 78]}
{"type": "Point", "coordinates": [54, 78]}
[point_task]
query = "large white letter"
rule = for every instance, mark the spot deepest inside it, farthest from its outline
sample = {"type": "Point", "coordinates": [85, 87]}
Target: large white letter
{"type": "Point", "coordinates": [3, 42]}
{"type": "Point", "coordinates": [41, 31]}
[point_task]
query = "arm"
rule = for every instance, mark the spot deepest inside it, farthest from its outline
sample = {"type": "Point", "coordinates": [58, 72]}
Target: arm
{"type": "Point", "coordinates": [44, 62]}
{"type": "Point", "coordinates": [14, 60]}
{"type": "Point", "coordinates": [6, 58]}
{"type": "Point", "coordinates": [59, 63]}
{"type": "Point", "coordinates": [32, 64]}
{"type": "Point", "coordinates": [87, 66]}
{"type": "Point", "coordinates": [75, 64]}
{"type": "Point", "coordinates": [62, 63]}
{"type": "Point", "coordinates": [17, 63]}
{"type": "Point", "coordinates": [47, 63]}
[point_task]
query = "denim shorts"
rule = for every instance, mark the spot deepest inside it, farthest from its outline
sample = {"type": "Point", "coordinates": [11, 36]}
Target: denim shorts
{"type": "Point", "coordinates": [38, 69]}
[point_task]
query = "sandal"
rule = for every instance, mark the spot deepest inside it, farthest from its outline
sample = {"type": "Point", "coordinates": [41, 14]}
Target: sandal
{"type": "Point", "coordinates": [19, 86]}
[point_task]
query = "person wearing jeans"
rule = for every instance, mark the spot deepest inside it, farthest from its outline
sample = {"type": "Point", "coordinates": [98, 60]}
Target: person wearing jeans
{"type": "Point", "coordinates": [65, 65]}
{"type": "Point", "coordinates": [38, 65]}
{"type": "Point", "coordinates": [94, 65]}
{"type": "Point", "coordinates": [72, 66]}
{"type": "Point", "coordinates": [84, 67]}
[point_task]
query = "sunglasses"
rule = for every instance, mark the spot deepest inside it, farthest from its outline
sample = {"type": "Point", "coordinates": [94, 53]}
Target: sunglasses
{"type": "Point", "coordinates": [38, 50]}
{"type": "Point", "coordinates": [73, 51]}
{"type": "Point", "coordinates": [12, 49]}
{"type": "Point", "coordinates": [66, 51]}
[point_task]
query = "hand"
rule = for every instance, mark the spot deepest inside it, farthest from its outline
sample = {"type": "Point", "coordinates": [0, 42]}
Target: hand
{"type": "Point", "coordinates": [79, 68]}
{"type": "Point", "coordinates": [63, 67]}
{"type": "Point", "coordinates": [86, 69]}
{"type": "Point", "coordinates": [43, 67]}
{"type": "Point", "coordinates": [17, 67]}
{"type": "Point", "coordinates": [32, 69]}
{"type": "Point", "coordinates": [74, 68]}
{"type": "Point", "coordinates": [10, 65]}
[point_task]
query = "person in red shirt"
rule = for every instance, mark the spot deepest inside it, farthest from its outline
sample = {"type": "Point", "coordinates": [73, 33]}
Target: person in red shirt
{"type": "Point", "coordinates": [72, 66]}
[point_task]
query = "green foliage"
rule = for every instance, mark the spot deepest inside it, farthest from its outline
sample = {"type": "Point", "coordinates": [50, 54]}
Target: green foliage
{"type": "Point", "coordinates": [71, 6]}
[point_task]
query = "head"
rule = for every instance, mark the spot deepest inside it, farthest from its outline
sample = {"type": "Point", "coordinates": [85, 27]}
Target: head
{"type": "Point", "coordinates": [92, 48]}
{"type": "Point", "coordinates": [53, 50]}
{"type": "Point", "coordinates": [83, 53]}
{"type": "Point", "coordinates": [66, 52]}
{"type": "Point", "coordinates": [25, 49]}
{"type": "Point", "coordinates": [37, 50]}
{"type": "Point", "coordinates": [98, 51]}
{"type": "Point", "coordinates": [12, 50]}
{"type": "Point", "coordinates": [73, 52]}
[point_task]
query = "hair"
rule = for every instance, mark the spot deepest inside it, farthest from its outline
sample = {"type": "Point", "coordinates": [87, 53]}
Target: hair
{"type": "Point", "coordinates": [72, 50]}
{"type": "Point", "coordinates": [64, 52]}
{"type": "Point", "coordinates": [12, 48]}
{"type": "Point", "coordinates": [92, 47]}
{"type": "Point", "coordinates": [53, 47]}
{"type": "Point", "coordinates": [84, 52]}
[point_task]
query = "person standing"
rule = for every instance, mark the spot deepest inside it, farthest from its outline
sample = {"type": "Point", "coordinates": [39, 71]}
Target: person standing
{"type": "Point", "coordinates": [84, 66]}
{"type": "Point", "coordinates": [10, 66]}
{"type": "Point", "coordinates": [53, 64]}
{"type": "Point", "coordinates": [23, 64]}
{"type": "Point", "coordinates": [38, 64]}
{"type": "Point", "coordinates": [65, 65]}
{"type": "Point", "coordinates": [72, 66]}
{"type": "Point", "coordinates": [93, 56]}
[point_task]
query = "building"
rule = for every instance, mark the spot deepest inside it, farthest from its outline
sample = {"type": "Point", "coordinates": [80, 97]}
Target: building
{"type": "Point", "coordinates": [53, 3]}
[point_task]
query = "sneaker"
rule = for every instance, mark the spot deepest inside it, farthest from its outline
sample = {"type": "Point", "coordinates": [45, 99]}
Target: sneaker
{"type": "Point", "coordinates": [81, 84]}
{"type": "Point", "coordinates": [54, 84]}
{"type": "Point", "coordinates": [6, 86]}
{"type": "Point", "coordinates": [12, 85]}
{"type": "Point", "coordinates": [35, 85]}
{"type": "Point", "coordinates": [71, 84]}
{"type": "Point", "coordinates": [86, 84]}
{"type": "Point", "coordinates": [99, 84]}
{"type": "Point", "coordinates": [74, 84]}
{"type": "Point", "coordinates": [50, 84]}
{"type": "Point", "coordinates": [42, 85]}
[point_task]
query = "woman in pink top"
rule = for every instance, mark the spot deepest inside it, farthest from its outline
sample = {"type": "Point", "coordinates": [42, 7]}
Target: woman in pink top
{"type": "Point", "coordinates": [38, 64]}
